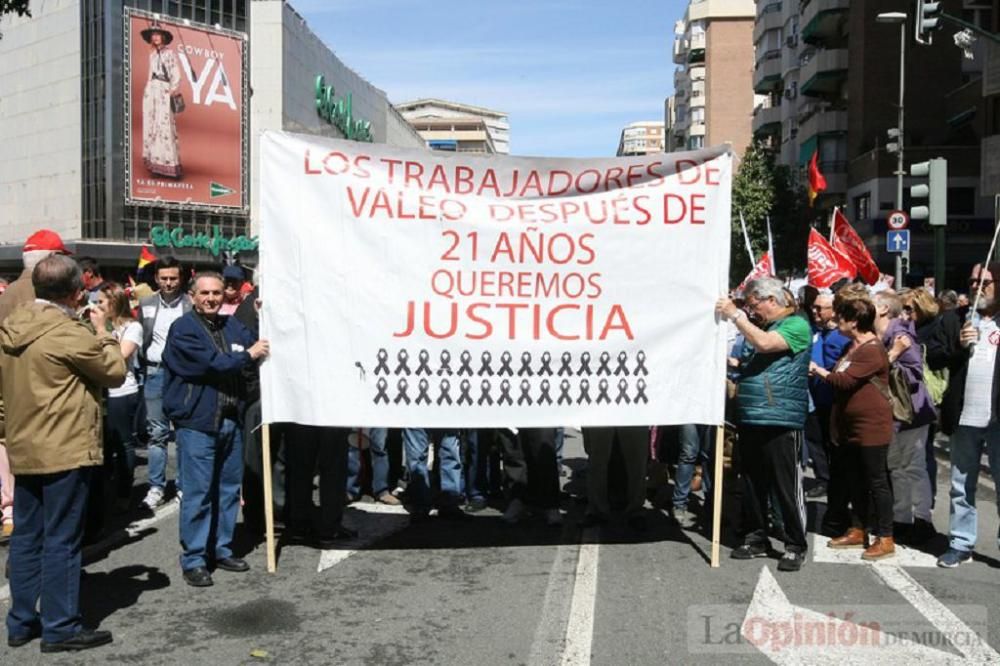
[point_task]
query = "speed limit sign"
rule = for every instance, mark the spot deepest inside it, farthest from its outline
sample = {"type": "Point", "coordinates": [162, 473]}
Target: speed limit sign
{"type": "Point", "coordinates": [897, 220]}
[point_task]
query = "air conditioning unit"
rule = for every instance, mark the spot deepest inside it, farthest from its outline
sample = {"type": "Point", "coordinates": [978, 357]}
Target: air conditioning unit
{"type": "Point", "coordinates": [791, 93]}
{"type": "Point", "coordinates": [792, 41]}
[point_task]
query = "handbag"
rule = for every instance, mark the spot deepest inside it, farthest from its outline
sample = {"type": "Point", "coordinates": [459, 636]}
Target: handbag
{"type": "Point", "coordinates": [897, 393]}
{"type": "Point", "coordinates": [936, 381]}
{"type": "Point", "coordinates": [177, 103]}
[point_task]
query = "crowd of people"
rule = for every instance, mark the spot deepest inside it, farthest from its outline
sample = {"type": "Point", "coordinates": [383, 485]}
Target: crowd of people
{"type": "Point", "coordinates": [855, 384]}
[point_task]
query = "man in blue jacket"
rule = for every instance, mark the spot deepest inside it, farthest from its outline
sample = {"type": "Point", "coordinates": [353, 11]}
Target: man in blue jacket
{"type": "Point", "coordinates": [204, 394]}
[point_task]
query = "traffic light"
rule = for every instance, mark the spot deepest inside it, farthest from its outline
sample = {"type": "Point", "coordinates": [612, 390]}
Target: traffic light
{"type": "Point", "coordinates": [928, 17]}
{"type": "Point", "coordinates": [893, 144]}
{"type": "Point", "coordinates": [935, 190]}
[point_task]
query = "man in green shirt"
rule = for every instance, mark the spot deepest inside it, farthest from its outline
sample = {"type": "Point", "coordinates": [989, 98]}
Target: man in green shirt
{"type": "Point", "coordinates": [772, 405]}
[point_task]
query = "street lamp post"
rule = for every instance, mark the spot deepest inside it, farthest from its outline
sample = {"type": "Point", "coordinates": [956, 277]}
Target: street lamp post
{"type": "Point", "coordinates": [899, 18]}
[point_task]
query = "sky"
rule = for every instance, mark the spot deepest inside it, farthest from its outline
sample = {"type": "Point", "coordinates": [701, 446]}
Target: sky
{"type": "Point", "coordinates": [570, 73]}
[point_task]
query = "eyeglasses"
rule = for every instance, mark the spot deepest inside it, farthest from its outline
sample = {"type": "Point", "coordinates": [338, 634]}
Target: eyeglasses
{"type": "Point", "coordinates": [819, 308]}
{"type": "Point", "coordinates": [974, 282]}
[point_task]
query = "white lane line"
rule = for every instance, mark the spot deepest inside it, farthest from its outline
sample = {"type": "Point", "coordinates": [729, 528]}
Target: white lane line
{"type": "Point", "coordinates": [580, 629]}
{"type": "Point", "coordinates": [391, 520]}
{"type": "Point", "coordinates": [938, 614]}
{"type": "Point", "coordinates": [548, 644]}
{"type": "Point", "coordinates": [133, 530]}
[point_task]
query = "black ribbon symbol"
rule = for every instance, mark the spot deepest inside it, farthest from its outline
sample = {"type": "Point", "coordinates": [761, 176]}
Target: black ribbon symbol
{"type": "Point", "coordinates": [545, 368]}
{"type": "Point", "coordinates": [564, 369]}
{"type": "Point", "coordinates": [402, 366]}
{"type": "Point", "coordinates": [564, 398]}
{"type": "Point", "coordinates": [525, 393]}
{"type": "Point", "coordinates": [622, 359]}
{"type": "Point", "coordinates": [484, 396]}
{"type": "Point", "coordinates": [640, 363]}
{"type": "Point", "coordinates": [485, 368]}
{"type": "Point", "coordinates": [466, 358]}
{"type": "Point", "coordinates": [422, 397]}
{"type": "Point", "coordinates": [604, 368]}
{"type": "Point", "coordinates": [543, 397]}
{"type": "Point", "coordinates": [423, 368]}
{"type": "Point", "coordinates": [623, 392]}
{"type": "Point", "coordinates": [525, 368]}
{"type": "Point", "coordinates": [505, 393]}
{"type": "Point", "coordinates": [465, 398]}
{"type": "Point", "coordinates": [603, 396]}
{"type": "Point", "coordinates": [401, 395]}
{"type": "Point", "coordinates": [584, 364]}
{"type": "Point", "coordinates": [505, 369]}
{"type": "Point", "coordinates": [640, 391]}
{"type": "Point", "coordinates": [584, 392]}
{"type": "Point", "coordinates": [382, 368]}
{"type": "Point", "coordinates": [383, 386]}
{"type": "Point", "coordinates": [444, 397]}
{"type": "Point", "coordinates": [445, 368]}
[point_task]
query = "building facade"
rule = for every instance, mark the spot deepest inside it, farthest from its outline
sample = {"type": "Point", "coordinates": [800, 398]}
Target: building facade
{"type": "Point", "coordinates": [712, 83]}
{"type": "Point", "coordinates": [458, 127]}
{"type": "Point", "coordinates": [67, 105]}
{"type": "Point", "coordinates": [642, 138]}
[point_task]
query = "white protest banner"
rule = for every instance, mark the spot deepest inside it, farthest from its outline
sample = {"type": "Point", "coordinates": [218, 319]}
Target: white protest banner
{"type": "Point", "coordinates": [424, 289]}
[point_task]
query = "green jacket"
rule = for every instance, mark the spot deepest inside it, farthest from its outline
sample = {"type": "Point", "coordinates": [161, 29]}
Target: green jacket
{"type": "Point", "coordinates": [774, 387]}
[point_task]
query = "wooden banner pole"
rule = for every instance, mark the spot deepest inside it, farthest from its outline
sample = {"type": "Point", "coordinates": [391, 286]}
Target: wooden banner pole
{"type": "Point", "coordinates": [720, 436]}
{"type": "Point", "coordinates": [268, 502]}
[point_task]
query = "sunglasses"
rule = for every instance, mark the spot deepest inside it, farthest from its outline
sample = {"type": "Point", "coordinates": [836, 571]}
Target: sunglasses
{"type": "Point", "coordinates": [974, 282]}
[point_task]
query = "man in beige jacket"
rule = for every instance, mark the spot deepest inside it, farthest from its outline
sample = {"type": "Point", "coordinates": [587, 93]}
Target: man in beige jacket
{"type": "Point", "coordinates": [52, 371]}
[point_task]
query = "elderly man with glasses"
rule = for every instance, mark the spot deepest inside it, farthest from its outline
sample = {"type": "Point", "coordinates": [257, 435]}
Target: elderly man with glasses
{"type": "Point", "coordinates": [772, 404]}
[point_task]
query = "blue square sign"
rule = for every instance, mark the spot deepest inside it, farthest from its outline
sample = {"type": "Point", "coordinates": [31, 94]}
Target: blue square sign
{"type": "Point", "coordinates": [898, 240]}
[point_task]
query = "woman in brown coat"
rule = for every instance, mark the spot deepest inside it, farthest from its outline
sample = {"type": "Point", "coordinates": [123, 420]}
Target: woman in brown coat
{"type": "Point", "coordinates": [861, 421]}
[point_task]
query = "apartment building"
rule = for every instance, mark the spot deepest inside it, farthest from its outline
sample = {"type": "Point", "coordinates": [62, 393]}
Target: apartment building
{"type": "Point", "coordinates": [713, 91]}
{"type": "Point", "coordinates": [454, 126]}
{"type": "Point", "coordinates": [641, 138]}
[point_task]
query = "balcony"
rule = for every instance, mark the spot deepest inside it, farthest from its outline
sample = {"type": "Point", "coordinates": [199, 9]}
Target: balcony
{"type": "Point", "coordinates": [814, 120]}
{"type": "Point", "coordinates": [823, 20]}
{"type": "Point", "coordinates": [822, 71]}
{"type": "Point", "coordinates": [680, 50]}
{"type": "Point", "coordinates": [766, 120]}
{"type": "Point", "coordinates": [767, 72]}
{"type": "Point", "coordinates": [768, 18]}
{"type": "Point", "coordinates": [697, 128]}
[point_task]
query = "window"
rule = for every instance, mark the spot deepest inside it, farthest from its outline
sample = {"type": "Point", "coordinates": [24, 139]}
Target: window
{"type": "Point", "coordinates": [696, 142]}
{"type": "Point", "coordinates": [862, 207]}
{"type": "Point", "coordinates": [698, 114]}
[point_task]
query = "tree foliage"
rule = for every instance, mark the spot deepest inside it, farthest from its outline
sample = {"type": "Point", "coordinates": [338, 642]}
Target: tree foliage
{"type": "Point", "coordinates": [762, 188]}
{"type": "Point", "coordinates": [19, 7]}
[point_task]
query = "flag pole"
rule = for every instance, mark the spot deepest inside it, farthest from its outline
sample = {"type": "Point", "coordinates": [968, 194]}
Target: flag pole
{"type": "Point", "coordinates": [770, 248]}
{"type": "Point", "coordinates": [268, 502]}
{"type": "Point", "coordinates": [982, 271]}
{"type": "Point", "coordinates": [833, 221]}
{"type": "Point", "coordinates": [746, 239]}
{"type": "Point", "coordinates": [720, 432]}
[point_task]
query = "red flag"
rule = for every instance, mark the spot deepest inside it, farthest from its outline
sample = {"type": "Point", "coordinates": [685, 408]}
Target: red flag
{"type": "Point", "coordinates": [817, 182]}
{"type": "Point", "coordinates": [145, 257]}
{"type": "Point", "coordinates": [762, 269]}
{"type": "Point", "coordinates": [827, 265]}
{"type": "Point", "coordinates": [847, 241]}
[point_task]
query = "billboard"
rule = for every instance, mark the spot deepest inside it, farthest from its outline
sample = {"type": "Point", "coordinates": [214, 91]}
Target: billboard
{"type": "Point", "coordinates": [186, 115]}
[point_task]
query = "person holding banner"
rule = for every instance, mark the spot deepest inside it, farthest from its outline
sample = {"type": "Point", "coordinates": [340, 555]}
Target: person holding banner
{"type": "Point", "coordinates": [160, 150]}
{"type": "Point", "coordinates": [204, 396]}
{"type": "Point", "coordinates": [772, 403]}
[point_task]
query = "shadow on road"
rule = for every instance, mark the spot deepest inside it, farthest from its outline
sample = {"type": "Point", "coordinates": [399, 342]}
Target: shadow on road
{"type": "Point", "coordinates": [102, 594]}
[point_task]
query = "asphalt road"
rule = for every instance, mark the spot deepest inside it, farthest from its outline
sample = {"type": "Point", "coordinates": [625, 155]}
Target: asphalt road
{"type": "Point", "coordinates": [478, 591]}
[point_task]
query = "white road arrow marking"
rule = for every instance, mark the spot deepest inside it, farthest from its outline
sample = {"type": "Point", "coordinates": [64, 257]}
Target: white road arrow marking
{"type": "Point", "coordinates": [789, 634]}
{"type": "Point", "coordinates": [390, 520]}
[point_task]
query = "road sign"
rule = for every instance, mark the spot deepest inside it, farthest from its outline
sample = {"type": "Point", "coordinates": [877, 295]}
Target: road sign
{"type": "Point", "coordinates": [898, 241]}
{"type": "Point", "coordinates": [898, 219]}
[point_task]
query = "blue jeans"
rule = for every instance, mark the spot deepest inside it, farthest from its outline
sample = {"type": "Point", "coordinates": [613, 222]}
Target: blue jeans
{"type": "Point", "coordinates": [213, 465]}
{"type": "Point", "coordinates": [158, 427]}
{"type": "Point", "coordinates": [380, 464]}
{"type": "Point", "coordinates": [416, 442]}
{"type": "Point", "coordinates": [45, 554]}
{"type": "Point", "coordinates": [966, 452]}
{"type": "Point", "coordinates": [694, 448]}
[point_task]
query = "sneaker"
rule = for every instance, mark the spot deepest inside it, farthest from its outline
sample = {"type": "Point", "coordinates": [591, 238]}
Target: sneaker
{"type": "Point", "coordinates": [791, 561]}
{"type": "Point", "coordinates": [475, 505]}
{"type": "Point", "coordinates": [749, 551]}
{"type": "Point", "coordinates": [553, 517]}
{"type": "Point", "coordinates": [817, 491]}
{"type": "Point", "coordinates": [684, 518]}
{"type": "Point", "coordinates": [953, 557]}
{"type": "Point", "coordinates": [154, 497]}
{"type": "Point", "coordinates": [388, 498]}
{"type": "Point", "coordinates": [180, 495]}
{"type": "Point", "coordinates": [516, 510]}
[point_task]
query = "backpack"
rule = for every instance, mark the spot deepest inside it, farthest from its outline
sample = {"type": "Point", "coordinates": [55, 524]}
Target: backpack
{"type": "Point", "coordinates": [897, 393]}
{"type": "Point", "coordinates": [936, 381]}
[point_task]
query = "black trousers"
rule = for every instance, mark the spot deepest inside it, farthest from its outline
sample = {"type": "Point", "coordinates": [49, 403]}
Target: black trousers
{"type": "Point", "coordinates": [769, 464]}
{"type": "Point", "coordinates": [253, 469]}
{"type": "Point", "coordinates": [843, 466]}
{"type": "Point", "coordinates": [818, 442]}
{"type": "Point", "coordinates": [871, 490]}
{"type": "Point", "coordinates": [309, 449]}
{"type": "Point", "coordinates": [530, 466]}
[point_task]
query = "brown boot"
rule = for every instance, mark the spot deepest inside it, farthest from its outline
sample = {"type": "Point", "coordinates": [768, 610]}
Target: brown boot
{"type": "Point", "coordinates": [854, 537]}
{"type": "Point", "coordinates": [882, 548]}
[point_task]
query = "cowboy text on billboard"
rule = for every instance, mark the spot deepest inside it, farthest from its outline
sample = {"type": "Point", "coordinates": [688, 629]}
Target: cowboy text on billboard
{"type": "Point", "coordinates": [409, 288]}
{"type": "Point", "coordinates": [185, 95]}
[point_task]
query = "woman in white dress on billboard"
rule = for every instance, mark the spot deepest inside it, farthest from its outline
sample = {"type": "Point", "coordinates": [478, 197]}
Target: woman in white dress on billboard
{"type": "Point", "coordinates": [160, 150]}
